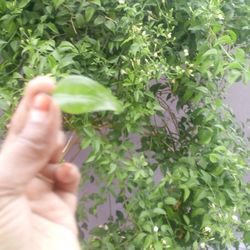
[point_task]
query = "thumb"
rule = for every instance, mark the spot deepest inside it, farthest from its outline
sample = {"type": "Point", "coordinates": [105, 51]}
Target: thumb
{"type": "Point", "coordinates": [33, 147]}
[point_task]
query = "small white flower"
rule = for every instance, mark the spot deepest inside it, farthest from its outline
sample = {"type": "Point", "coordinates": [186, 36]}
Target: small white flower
{"type": "Point", "coordinates": [106, 227]}
{"type": "Point", "coordinates": [221, 17]}
{"type": "Point", "coordinates": [164, 242]}
{"type": "Point", "coordinates": [248, 222]}
{"type": "Point", "coordinates": [100, 226]}
{"type": "Point", "coordinates": [186, 52]}
{"type": "Point", "coordinates": [156, 229]}
{"type": "Point", "coordinates": [207, 229]}
{"type": "Point", "coordinates": [169, 35]}
{"type": "Point", "coordinates": [235, 218]}
{"type": "Point", "coordinates": [121, 1]}
{"type": "Point", "coordinates": [123, 72]}
{"type": "Point", "coordinates": [203, 245]}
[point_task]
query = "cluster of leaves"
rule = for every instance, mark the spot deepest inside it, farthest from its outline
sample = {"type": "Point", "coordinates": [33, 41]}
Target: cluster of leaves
{"type": "Point", "coordinates": [192, 50]}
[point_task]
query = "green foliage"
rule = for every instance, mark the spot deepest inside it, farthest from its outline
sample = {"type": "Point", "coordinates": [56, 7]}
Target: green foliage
{"type": "Point", "coordinates": [79, 94]}
{"type": "Point", "coordinates": [192, 50]}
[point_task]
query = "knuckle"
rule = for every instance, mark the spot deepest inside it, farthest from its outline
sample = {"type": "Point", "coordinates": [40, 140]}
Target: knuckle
{"type": "Point", "coordinates": [33, 145]}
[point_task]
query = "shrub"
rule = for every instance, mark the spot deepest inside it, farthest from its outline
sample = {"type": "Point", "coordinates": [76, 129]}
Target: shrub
{"type": "Point", "coordinates": [153, 54]}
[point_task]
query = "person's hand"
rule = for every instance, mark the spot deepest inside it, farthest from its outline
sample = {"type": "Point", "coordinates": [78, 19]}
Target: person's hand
{"type": "Point", "coordinates": [37, 193]}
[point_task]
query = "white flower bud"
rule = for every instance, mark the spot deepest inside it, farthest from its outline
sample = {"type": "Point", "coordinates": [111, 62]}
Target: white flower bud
{"type": "Point", "coordinates": [203, 245]}
{"type": "Point", "coordinates": [207, 229]}
{"type": "Point", "coordinates": [164, 242]}
{"type": "Point", "coordinates": [235, 218]}
{"type": "Point", "coordinates": [186, 52]}
{"type": "Point", "coordinates": [156, 229]}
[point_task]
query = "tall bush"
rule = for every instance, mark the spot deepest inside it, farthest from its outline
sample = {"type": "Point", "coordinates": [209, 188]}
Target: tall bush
{"type": "Point", "coordinates": [170, 62]}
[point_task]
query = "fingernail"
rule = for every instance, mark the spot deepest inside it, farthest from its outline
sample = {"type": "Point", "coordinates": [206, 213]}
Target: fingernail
{"type": "Point", "coordinates": [39, 112]}
{"type": "Point", "coordinates": [42, 102]}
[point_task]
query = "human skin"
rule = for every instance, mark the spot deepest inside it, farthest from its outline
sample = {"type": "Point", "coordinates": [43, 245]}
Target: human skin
{"type": "Point", "coordinates": [37, 192]}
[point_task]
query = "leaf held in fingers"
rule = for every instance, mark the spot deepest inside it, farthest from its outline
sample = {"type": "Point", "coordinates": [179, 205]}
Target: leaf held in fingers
{"type": "Point", "coordinates": [79, 94]}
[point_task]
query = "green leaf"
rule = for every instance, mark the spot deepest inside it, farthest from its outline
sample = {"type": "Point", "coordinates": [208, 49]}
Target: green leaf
{"type": "Point", "coordinates": [149, 239]}
{"type": "Point", "coordinates": [211, 52]}
{"type": "Point", "coordinates": [214, 158]}
{"type": "Point", "coordinates": [79, 94]}
{"type": "Point", "coordinates": [224, 40]}
{"type": "Point", "coordinates": [195, 245]}
{"type": "Point", "coordinates": [52, 27]}
{"type": "Point", "coordinates": [97, 2]}
{"type": "Point", "coordinates": [89, 12]}
{"type": "Point", "coordinates": [247, 237]}
{"type": "Point", "coordinates": [2, 43]}
{"type": "Point", "coordinates": [99, 20]}
{"type": "Point", "coordinates": [240, 55]}
{"type": "Point", "coordinates": [158, 246]}
{"type": "Point", "coordinates": [110, 25]}
{"type": "Point", "coordinates": [139, 238]}
{"type": "Point", "coordinates": [198, 211]}
{"type": "Point", "coordinates": [234, 76]}
{"type": "Point", "coordinates": [98, 232]}
{"type": "Point", "coordinates": [234, 65]}
{"type": "Point", "coordinates": [66, 46]}
{"type": "Point", "coordinates": [23, 3]}
{"type": "Point", "coordinates": [187, 237]}
{"type": "Point", "coordinates": [159, 211]}
{"type": "Point", "coordinates": [205, 135]}
{"type": "Point", "coordinates": [57, 3]}
{"type": "Point", "coordinates": [186, 219]}
{"type": "Point", "coordinates": [80, 20]}
{"type": "Point", "coordinates": [186, 194]}
{"type": "Point", "coordinates": [170, 201]}
{"type": "Point", "coordinates": [233, 35]}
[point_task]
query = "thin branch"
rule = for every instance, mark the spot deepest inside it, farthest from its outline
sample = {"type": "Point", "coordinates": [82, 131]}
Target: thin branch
{"type": "Point", "coordinates": [74, 28]}
{"type": "Point", "coordinates": [168, 130]}
{"type": "Point", "coordinates": [167, 108]}
{"type": "Point", "coordinates": [69, 144]}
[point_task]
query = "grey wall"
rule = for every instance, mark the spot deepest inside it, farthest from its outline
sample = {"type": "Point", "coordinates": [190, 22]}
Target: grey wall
{"type": "Point", "coordinates": [238, 98]}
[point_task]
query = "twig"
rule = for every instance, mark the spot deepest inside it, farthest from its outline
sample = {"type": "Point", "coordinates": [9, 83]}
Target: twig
{"type": "Point", "coordinates": [74, 28]}
{"type": "Point", "coordinates": [170, 113]}
{"type": "Point", "coordinates": [68, 144]}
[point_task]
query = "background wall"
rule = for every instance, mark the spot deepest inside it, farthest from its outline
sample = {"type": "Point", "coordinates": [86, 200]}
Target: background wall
{"type": "Point", "coordinates": [238, 98]}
